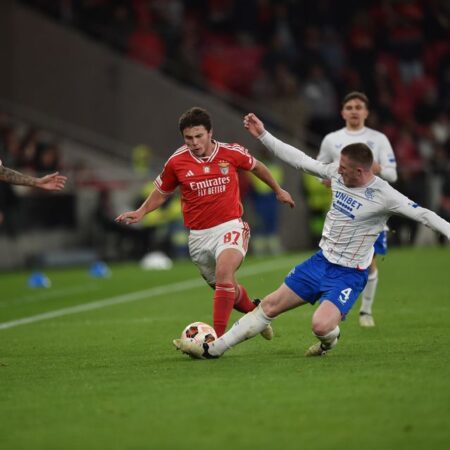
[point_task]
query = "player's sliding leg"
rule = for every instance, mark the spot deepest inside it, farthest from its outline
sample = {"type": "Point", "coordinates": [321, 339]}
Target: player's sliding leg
{"type": "Point", "coordinates": [245, 328]}
{"type": "Point", "coordinates": [245, 305]}
{"type": "Point", "coordinates": [255, 322]}
{"type": "Point", "coordinates": [368, 297]}
{"type": "Point", "coordinates": [326, 329]}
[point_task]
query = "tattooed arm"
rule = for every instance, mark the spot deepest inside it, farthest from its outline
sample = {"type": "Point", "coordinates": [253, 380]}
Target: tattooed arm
{"type": "Point", "coordinates": [52, 182]}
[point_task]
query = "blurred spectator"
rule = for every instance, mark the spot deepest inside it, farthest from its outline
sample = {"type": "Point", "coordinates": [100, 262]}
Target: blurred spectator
{"type": "Point", "coordinates": [318, 198]}
{"type": "Point", "coordinates": [29, 149]}
{"type": "Point", "coordinates": [266, 239]}
{"type": "Point", "coordinates": [332, 53]}
{"type": "Point", "coordinates": [9, 146]}
{"type": "Point", "coordinates": [427, 108]}
{"type": "Point", "coordinates": [411, 182]}
{"type": "Point", "coordinates": [145, 45]}
{"type": "Point", "coordinates": [320, 100]}
{"type": "Point", "coordinates": [118, 29]}
{"type": "Point", "coordinates": [141, 159]}
{"type": "Point", "coordinates": [406, 42]}
{"type": "Point", "coordinates": [48, 159]}
{"type": "Point", "coordinates": [362, 49]}
{"type": "Point", "coordinates": [185, 54]}
{"type": "Point", "coordinates": [9, 216]}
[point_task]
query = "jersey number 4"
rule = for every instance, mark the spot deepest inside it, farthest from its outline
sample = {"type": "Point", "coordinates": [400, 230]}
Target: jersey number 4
{"type": "Point", "coordinates": [345, 295]}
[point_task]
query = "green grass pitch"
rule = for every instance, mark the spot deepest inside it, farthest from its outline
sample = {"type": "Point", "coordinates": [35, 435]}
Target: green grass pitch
{"type": "Point", "coordinates": [104, 375]}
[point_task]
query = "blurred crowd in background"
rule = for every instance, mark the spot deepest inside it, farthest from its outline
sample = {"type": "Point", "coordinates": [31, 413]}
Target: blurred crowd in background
{"type": "Point", "coordinates": [299, 59]}
{"type": "Point", "coordinates": [34, 152]}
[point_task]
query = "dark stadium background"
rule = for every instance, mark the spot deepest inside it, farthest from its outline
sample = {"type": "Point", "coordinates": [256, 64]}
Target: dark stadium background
{"type": "Point", "coordinates": [94, 88]}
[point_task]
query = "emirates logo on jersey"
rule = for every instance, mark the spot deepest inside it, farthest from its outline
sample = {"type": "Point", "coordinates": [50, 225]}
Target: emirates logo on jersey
{"type": "Point", "coordinates": [224, 167]}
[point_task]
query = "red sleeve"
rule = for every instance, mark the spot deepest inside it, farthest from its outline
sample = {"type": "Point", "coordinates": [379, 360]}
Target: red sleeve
{"type": "Point", "coordinates": [243, 159]}
{"type": "Point", "coordinates": [167, 181]}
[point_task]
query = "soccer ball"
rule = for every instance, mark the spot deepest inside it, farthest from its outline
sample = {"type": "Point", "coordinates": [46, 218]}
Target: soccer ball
{"type": "Point", "coordinates": [199, 332]}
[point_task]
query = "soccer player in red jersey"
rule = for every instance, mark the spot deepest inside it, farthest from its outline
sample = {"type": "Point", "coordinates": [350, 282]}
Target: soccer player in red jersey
{"type": "Point", "coordinates": [206, 172]}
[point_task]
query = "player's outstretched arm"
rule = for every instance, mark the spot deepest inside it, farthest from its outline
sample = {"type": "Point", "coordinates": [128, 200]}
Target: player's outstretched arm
{"type": "Point", "coordinates": [52, 182]}
{"type": "Point", "coordinates": [287, 153]}
{"type": "Point", "coordinates": [153, 201]}
{"type": "Point", "coordinates": [402, 205]}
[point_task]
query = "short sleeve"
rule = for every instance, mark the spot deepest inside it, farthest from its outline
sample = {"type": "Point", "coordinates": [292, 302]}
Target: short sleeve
{"type": "Point", "coordinates": [166, 182]}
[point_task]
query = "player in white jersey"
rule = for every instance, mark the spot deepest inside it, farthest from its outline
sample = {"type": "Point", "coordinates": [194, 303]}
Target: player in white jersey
{"type": "Point", "coordinates": [334, 276]}
{"type": "Point", "coordinates": [355, 110]}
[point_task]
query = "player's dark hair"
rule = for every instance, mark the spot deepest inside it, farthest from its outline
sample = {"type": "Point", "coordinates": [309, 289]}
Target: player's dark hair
{"type": "Point", "coordinates": [358, 95]}
{"type": "Point", "coordinates": [195, 117]}
{"type": "Point", "coordinates": [360, 154]}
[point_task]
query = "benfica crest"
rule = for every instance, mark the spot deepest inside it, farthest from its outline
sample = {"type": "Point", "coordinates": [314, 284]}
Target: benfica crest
{"type": "Point", "coordinates": [224, 167]}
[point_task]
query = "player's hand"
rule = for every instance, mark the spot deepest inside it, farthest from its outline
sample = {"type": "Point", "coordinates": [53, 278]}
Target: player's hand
{"type": "Point", "coordinates": [129, 217]}
{"type": "Point", "coordinates": [253, 125]}
{"type": "Point", "coordinates": [326, 182]}
{"type": "Point", "coordinates": [284, 197]}
{"type": "Point", "coordinates": [52, 182]}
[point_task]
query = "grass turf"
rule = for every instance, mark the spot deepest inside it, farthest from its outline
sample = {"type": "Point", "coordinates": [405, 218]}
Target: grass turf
{"type": "Point", "coordinates": [109, 377]}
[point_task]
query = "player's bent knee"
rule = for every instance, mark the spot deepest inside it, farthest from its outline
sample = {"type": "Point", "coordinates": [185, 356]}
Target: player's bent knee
{"type": "Point", "coordinates": [322, 328]}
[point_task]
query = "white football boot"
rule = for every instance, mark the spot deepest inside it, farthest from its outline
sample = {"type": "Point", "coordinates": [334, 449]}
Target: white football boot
{"type": "Point", "coordinates": [267, 333]}
{"type": "Point", "coordinates": [366, 320]}
{"type": "Point", "coordinates": [320, 349]}
{"type": "Point", "coordinates": [193, 349]}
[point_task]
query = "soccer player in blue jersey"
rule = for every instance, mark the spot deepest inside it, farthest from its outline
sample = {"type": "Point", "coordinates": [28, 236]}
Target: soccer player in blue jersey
{"type": "Point", "coordinates": [335, 275]}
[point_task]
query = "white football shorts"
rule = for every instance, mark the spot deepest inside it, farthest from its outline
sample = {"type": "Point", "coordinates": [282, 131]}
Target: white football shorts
{"type": "Point", "coordinates": [205, 246]}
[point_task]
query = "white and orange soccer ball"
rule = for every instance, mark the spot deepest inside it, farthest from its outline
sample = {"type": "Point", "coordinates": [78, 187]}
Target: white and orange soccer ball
{"type": "Point", "coordinates": [199, 332]}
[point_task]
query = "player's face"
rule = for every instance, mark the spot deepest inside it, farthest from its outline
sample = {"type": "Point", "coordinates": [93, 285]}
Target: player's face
{"type": "Point", "coordinates": [351, 174]}
{"type": "Point", "coordinates": [355, 113]}
{"type": "Point", "coordinates": [199, 140]}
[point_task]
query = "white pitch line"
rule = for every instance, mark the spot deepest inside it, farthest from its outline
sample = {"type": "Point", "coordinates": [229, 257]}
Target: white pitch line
{"type": "Point", "coordinates": [47, 295]}
{"type": "Point", "coordinates": [147, 293]}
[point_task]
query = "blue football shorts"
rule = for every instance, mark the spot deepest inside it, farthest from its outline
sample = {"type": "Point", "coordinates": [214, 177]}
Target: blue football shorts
{"type": "Point", "coordinates": [380, 245]}
{"type": "Point", "coordinates": [318, 279]}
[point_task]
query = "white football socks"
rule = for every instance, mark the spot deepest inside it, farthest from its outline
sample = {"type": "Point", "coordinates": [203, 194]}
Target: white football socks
{"type": "Point", "coordinates": [368, 295]}
{"type": "Point", "coordinates": [329, 340]}
{"type": "Point", "coordinates": [245, 328]}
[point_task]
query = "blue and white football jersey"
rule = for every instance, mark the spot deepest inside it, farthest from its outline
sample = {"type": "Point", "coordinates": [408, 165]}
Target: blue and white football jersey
{"type": "Point", "coordinates": [333, 143]}
{"type": "Point", "coordinates": [357, 214]}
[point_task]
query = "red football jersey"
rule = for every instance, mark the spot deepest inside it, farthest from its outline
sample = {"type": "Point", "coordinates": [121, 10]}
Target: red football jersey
{"type": "Point", "coordinates": [209, 187]}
